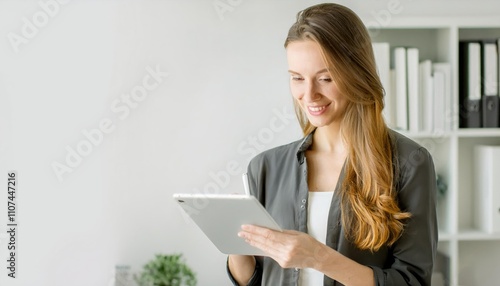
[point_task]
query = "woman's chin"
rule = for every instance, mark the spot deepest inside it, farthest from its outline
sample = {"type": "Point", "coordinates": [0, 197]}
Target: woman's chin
{"type": "Point", "coordinates": [322, 123]}
{"type": "Point", "coordinates": [318, 122]}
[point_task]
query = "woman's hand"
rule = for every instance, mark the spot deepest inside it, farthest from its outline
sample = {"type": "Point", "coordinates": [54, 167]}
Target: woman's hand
{"type": "Point", "coordinates": [292, 248]}
{"type": "Point", "coordinates": [289, 248]}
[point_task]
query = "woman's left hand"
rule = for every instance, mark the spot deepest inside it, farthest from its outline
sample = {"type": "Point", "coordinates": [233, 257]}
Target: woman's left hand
{"type": "Point", "coordinates": [289, 248]}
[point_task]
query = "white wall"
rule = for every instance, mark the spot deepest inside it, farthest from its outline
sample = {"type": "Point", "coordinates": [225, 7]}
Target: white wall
{"type": "Point", "coordinates": [225, 98]}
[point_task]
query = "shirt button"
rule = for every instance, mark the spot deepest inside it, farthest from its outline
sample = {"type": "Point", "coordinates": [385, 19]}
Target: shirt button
{"type": "Point", "coordinates": [303, 201]}
{"type": "Point", "coordinates": [302, 206]}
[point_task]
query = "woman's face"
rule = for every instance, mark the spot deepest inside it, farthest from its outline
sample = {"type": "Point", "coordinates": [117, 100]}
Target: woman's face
{"type": "Point", "coordinates": [312, 85]}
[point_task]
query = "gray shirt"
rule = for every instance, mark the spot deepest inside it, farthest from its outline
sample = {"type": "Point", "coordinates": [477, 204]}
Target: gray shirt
{"type": "Point", "coordinates": [278, 178]}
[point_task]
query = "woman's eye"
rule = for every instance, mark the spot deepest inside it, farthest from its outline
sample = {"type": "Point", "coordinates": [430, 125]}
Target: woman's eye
{"type": "Point", "coordinates": [326, 79]}
{"type": "Point", "coordinates": [296, 78]}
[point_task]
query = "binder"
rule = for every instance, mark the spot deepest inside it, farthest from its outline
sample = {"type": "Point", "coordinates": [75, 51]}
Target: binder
{"type": "Point", "coordinates": [426, 91]}
{"type": "Point", "coordinates": [469, 53]}
{"type": "Point", "coordinates": [489, 86]}
{"type": "Point", "coordinates": [449, 115]}
{"type": "Point", "coordinates": [382, 54]}
{"type": "Point", "coordinates": [487, 188]}
{"type": "Point", "coordinates": [412, 89]}
{"type": "Point", "coordinates": [439, 101]}
{"type": "Point", "coordinates": [401, 88]}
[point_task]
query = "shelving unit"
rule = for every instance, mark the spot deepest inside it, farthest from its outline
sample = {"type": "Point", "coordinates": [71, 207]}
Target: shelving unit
{"type": "Point", "coordinates": [473, 255]}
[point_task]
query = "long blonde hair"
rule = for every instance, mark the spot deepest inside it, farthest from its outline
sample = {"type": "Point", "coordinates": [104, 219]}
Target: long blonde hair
{"type": "Point", "coordinates": [370, 212]}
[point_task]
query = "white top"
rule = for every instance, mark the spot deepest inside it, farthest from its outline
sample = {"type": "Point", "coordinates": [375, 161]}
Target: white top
{"type": "Point", "coordinates": [317, 220]}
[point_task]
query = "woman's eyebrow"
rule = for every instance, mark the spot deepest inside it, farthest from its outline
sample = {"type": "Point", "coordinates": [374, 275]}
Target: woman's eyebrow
{"type": "Point", "coordinates": [321, 71]}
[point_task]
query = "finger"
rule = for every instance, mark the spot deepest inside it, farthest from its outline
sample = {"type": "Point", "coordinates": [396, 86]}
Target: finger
{"type": "Point", "coordinates": [264, 235]}
{"type": "Point", "coordinates": [278, 250]}
{"type": "Point", "coordinates": [266, 238]}
{"type": "Point", "coordinates": [254, 229]}
{"type": "Point", "coordinates": [267, 246]}
{"type": "Point", "coordinates": [265, 232]}
{"type": "Point", "coordinates": [274, 243]}
{"type": "Point", "coordinates": [261, 237]}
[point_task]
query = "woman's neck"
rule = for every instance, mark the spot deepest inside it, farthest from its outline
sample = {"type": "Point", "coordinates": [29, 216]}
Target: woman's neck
{"type": "Point", "coordinates": [328, 139]}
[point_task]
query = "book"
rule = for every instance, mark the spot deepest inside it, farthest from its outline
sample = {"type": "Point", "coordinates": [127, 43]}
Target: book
{"type": "Point", "coordinates": [469, 84]}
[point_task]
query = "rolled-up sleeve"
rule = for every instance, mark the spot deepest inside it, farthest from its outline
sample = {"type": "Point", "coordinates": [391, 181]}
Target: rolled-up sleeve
{"type": "Point", "coordinates": [414, 252]}
{"type": "Point", "coordinates": [256, 278]}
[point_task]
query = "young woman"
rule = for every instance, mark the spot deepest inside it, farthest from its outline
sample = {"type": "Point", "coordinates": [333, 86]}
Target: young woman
{"type": "Point", "coordinates": [357, 199]}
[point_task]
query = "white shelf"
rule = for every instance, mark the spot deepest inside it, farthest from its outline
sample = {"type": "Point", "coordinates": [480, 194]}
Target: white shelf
{"type": "Point", "coordinates": [474, 234]}
{"type": "Point", "coordinates": [478, 132]}
{"type": "Point", "coordinates": [437, 39]}
{"type": "Point", "coordinates": [460, 133]}
{"type": "Point", "coordinates": [423, 135]}
{"type": "Point", "coordinates": [468, 235]}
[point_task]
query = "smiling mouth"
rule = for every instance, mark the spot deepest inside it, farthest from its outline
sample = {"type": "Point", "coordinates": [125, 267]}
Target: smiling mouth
{"type": "Point", "coordinates": [316, 108]}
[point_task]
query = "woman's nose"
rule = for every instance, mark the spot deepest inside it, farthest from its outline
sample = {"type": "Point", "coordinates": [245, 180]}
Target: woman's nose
{"type": "Point", "coordinates": [310, 91]}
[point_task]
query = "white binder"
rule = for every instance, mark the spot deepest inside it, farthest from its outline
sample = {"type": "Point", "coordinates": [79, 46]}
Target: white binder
{"type": "Point", "coordinates": [487, 188]}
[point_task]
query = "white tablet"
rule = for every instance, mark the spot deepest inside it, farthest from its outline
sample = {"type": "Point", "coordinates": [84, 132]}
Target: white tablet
{"type": "Point", "coordinates": [220, 217]}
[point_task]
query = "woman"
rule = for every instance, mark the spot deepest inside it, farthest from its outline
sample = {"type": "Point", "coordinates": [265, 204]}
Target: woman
{"type": "Point", "coordinates": [357, 199]}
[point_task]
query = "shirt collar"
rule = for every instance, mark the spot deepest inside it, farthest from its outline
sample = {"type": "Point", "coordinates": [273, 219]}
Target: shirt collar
{"type": "Point", "coordinates": [303, 146]}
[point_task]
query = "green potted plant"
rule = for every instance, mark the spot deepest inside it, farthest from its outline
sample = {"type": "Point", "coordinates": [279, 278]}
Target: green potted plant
{"type": "Point", "coordinates": [166, 270]}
